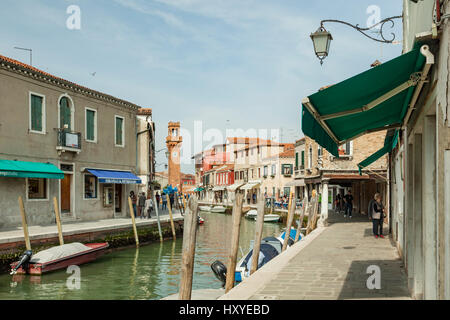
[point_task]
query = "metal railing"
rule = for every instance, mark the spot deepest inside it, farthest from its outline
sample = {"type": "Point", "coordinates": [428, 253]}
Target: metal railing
{"type": "Point", "coordinates": [69, 139]}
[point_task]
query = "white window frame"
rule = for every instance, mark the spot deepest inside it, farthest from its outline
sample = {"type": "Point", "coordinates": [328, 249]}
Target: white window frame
{"type": "Point", "coordinates": [123, 131]}
{"type": "Point", "coordinates": [84, 188]}
{"type": "Point", "coordinates": [44, 118]}
{"type": "Point", "coordinates": [86, 109]}
{"type": "Point", "coordinates": [46, 192]}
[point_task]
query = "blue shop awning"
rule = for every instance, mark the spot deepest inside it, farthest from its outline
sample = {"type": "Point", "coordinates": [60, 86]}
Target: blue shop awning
{"type": "Point", "coordinates": [119, 177]}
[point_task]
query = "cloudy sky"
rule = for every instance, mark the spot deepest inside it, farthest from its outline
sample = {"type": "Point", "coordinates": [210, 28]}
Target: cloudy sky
{"type": "Point", "coordinates": [228, 63]}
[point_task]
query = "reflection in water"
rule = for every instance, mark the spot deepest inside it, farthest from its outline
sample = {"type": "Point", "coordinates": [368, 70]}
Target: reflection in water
{"type": "Point", "coordinates": [150, 272]}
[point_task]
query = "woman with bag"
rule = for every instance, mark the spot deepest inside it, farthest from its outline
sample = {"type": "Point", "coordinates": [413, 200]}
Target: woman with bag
{"type": "Point", "coordinates": [378, 213]}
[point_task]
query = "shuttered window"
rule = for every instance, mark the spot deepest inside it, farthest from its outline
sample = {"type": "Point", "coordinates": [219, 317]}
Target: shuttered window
{"type": "Point", "coordinates": [119, 131]}
{"type": "Point", "coordinates": [90, 125]}
{"type": "Point", "coordinates": [36, 113]}
{"type": "Point", "coordinates": [303, 159]}
{"type": "Point", "coordinates": [65, 113]}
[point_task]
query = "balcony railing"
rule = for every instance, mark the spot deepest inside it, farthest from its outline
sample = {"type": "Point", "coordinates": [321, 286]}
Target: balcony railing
{"type": "Point", "coordinates": [68, 141]}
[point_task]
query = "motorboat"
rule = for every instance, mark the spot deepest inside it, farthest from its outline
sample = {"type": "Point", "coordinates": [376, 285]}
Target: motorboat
{"type": "Point", "coordinates": [219, 209]}
{"type": "Point", "coordinates": [269, 249]}
{"type": "Point", "coordinates": [58, 257]}
{"type": "Point", "coordinates": [204, 208]}
{"type": "Point", "coordinates": [252, 214]}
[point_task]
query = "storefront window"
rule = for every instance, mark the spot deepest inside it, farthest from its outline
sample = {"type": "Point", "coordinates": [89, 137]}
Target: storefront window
{"type": "Point", "coordinates": [37, 189]}
{"type": "Point", "coordinates": [90, 187]}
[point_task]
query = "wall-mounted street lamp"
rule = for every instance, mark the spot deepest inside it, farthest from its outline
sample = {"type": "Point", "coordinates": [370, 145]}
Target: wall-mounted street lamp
{"type": "Point", "coordinates": [322, 38]}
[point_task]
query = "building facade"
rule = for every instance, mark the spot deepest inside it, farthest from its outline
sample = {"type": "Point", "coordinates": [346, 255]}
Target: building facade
{"type": "Point", "coordinates": [82, 132]}
{"type": "Point", "coordinates": [420, 163]}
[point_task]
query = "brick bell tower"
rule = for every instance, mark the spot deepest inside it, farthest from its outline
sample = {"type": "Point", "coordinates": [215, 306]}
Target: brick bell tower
{"type": "Point", "coordinates": [174, 142]}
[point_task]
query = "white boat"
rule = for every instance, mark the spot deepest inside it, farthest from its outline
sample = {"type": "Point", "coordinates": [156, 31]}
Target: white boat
{"type": "Point", "coordinates": [204, 208]}
{"type": "Point", "coordinates": [252, 214]}
{"type": "Point", "coordinates": [271, 218]}
{"type": "Point", "coordinates": [219, 209]}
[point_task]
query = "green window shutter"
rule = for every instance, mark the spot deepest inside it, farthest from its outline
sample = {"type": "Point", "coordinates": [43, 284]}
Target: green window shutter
{"type": "Point", "coordinates": [296, 159]}
{"type": "Point", "coordinates": [303, 158]}
{"type": "Point", "coordinates": [65, 113]}
{"type": "Point", "coordinates": [36, 113]}
{"type": "Point", "coordinates": [90, 125]}
{"type": "Point", "coordinates": [119, 128]}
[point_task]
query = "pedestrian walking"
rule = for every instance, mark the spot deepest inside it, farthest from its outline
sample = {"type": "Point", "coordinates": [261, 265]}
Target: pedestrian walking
{"type": "Point", "coordinates": [133, 201]}
{"type": "Point", "coordinates": [348, 204]}
{"type": "Point", "coordinates": [377, 212]}
{"type": "Point", "coordinates": [338, 203]}
{"type": "Point", "coordinates": [141, 204]}
{"type": "Point", "coordinates": [164, 201]}
{"type": "Point", "coordinates": [148, 208]}
{"type": "Point", "coordinates": [158, 197]}
{"type": "Point", "coordinates": [172, 199]}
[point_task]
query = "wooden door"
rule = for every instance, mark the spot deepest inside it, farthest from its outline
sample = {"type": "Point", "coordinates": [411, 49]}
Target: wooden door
{"type": "Point", "coordinates": [118, 198]}
{"type": "Point", "coordinates": [65, 193]}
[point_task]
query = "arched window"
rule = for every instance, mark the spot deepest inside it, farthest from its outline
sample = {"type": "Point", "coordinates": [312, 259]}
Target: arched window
{"type": "Point", "coordinates": [65, 113]}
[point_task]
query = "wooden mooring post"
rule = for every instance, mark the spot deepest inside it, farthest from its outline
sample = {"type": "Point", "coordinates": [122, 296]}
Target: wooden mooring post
{"type": "Point", "coordinates": [157, 216]}
{"type": "Point", "coordinates": [189, 240]}
{"type": "Point", "coordinates": [290, 218]}
{"type": "Point", "coordinates": [236, 226]}
{"type": "Point", "coordinates": [133, 221]}
{"type": "Point", "coordinates": [58, 221]}
{"type": "Point", "coordinates": [258, 235]}
{"type": "Point", "coordinates": [302, 216]}
{"type": "Point", "coordinates": [169, 206]}
{"type": "Point", "coordinates": [313, 215]}
{"type": "Point", "coordinates": [24, 224]}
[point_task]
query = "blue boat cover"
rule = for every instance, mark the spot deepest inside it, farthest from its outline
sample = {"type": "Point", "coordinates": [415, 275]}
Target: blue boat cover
{"type": "Point", "coordinates": [119, 177]}
{"type": "Point", "coordinates": [292, 234]}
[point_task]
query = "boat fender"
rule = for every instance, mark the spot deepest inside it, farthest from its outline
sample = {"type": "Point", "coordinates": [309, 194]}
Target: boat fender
{"type": "Point", "coordinates": [220, 271]}
{"type": "Point", "coordinates": [24, 259]}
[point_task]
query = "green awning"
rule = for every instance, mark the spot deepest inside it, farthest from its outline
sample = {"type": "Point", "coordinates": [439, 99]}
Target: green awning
{"type": "Point", "coordinates": [375, 100]}
{"type": "Point", "coordinates": [390, 142]}
{"type": "Point", "coordinates": [22, 169]}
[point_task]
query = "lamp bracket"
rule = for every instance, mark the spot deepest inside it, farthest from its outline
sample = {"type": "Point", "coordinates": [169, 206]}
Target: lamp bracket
{"type": "Point", "coordinates": [362, 30]}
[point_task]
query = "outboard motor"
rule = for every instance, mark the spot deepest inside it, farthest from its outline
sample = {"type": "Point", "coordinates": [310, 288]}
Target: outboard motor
{"type": "Point", "coordinates": [220, 271]}
{"type": "Point", "coordinates": [24, 260]}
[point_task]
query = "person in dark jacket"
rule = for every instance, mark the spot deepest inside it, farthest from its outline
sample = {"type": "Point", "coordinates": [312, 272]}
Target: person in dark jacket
{"type": "Point", "coordinates": [377, 213]}
{"type": "Point", "coordinates": [348, 204]}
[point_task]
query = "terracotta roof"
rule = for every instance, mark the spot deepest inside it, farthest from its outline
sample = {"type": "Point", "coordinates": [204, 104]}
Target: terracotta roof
{"type": "Point", "coordinates": [246, 140]}
{"type": "Point", "coordinates": [228, 167]}
{"type": "Point", "coordinates": [261, 142]}
{"type": "Point", "coordinates": [35, 73]}
{"type": "Point", "coordinates": [145, 112]}
{"type": "Point", "coordinates": [290, 153]}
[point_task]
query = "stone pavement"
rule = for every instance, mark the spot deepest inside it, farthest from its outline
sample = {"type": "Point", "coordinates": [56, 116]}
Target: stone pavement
{"type": "Point", "coordinates": [71, 228]}
{"type": "Point", "coordinates": [332, 265]}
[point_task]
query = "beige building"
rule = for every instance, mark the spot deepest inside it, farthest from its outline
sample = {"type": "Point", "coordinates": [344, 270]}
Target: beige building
{"type": "Point", "coordinates": [87, 137]}
{"type": "Point", "coordinates": [278, 173]}
{"type": "Point", "coordinates": [330, 176]}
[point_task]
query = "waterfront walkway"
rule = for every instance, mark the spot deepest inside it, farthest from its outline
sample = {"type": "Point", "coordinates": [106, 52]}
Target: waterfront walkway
{"type": "Point", "coordinates": [73, 228]}
{"type": "Point", "coordinates": [331, 263]}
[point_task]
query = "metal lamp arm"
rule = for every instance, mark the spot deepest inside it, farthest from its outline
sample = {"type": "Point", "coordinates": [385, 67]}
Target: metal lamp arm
{"type": "Point", "coordinates": [361, 30]}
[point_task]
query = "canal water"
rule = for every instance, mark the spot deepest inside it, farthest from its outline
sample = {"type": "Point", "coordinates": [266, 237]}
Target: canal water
{"type": "Point", "coordinates": [150, 272]}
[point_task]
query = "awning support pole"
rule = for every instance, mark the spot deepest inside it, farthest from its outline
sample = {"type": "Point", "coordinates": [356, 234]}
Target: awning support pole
{"type": "Point", "coordinates": [410, 83]}
{"type": "Point", "coordinates": [307, 103]}
{"type": "Point", "coordinates": [424, 50]}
